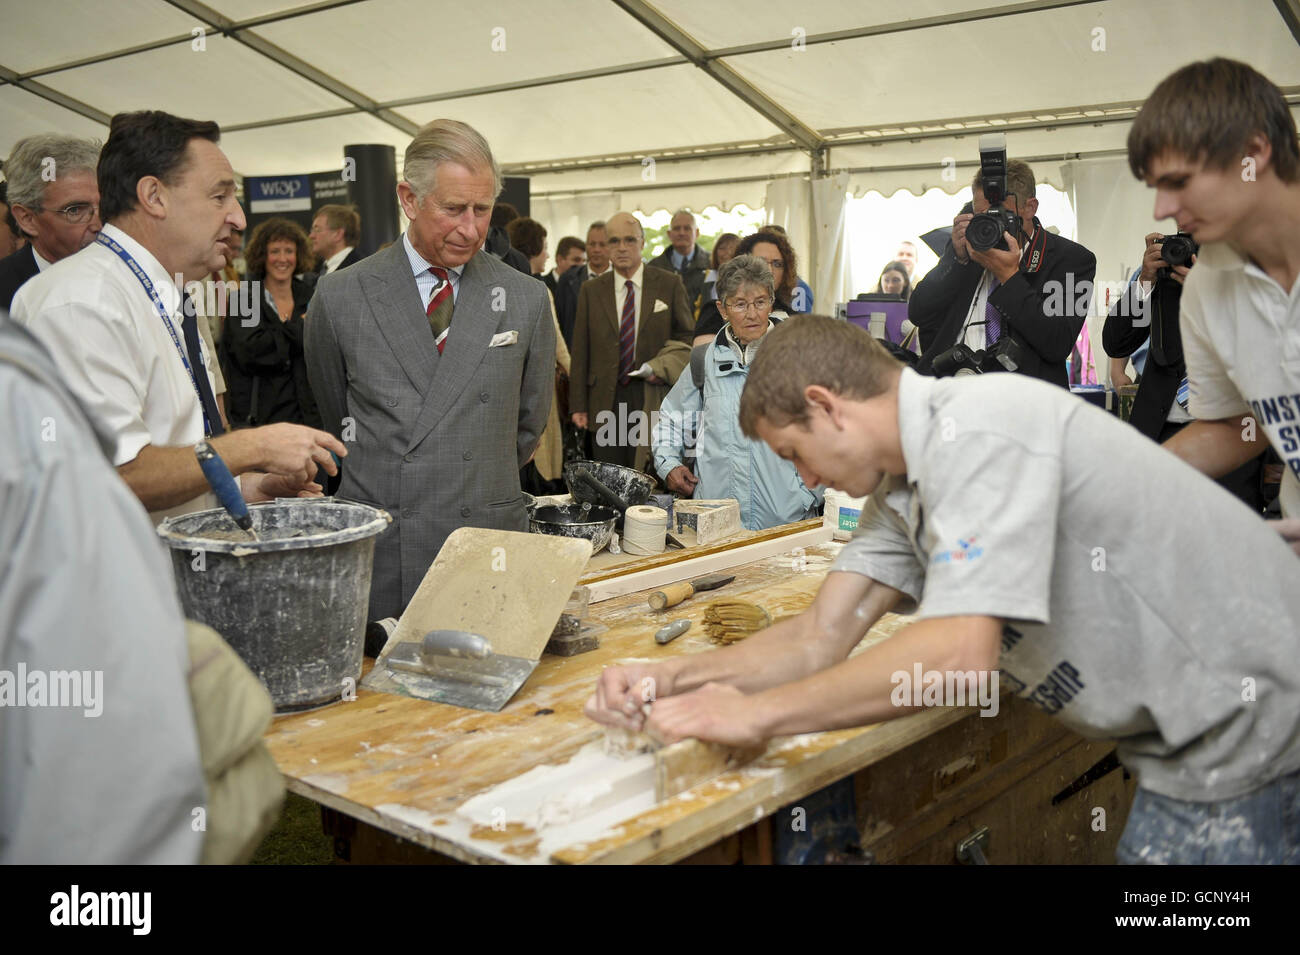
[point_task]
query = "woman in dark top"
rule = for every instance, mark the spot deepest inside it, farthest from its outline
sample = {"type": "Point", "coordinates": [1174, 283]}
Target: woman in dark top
{"type": "Point", "coordinates": [266, 375]}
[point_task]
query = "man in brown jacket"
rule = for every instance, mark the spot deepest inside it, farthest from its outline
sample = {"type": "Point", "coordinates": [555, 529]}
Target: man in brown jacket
{"type": "Point", "coordinates": [625, 319]}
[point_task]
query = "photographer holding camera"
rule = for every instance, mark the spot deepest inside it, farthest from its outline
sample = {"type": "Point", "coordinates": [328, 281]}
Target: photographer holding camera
{"type": "Point", "coordinates": [1217, 142]}
{"type": "Point", "coordinates": [1148, 311]}
{"type": "Point", "coordinates": [1007, 295]}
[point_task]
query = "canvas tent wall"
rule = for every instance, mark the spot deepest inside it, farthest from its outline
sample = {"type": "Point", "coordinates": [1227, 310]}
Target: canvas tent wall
{"type": "Point", "coordinates": [650, 104]}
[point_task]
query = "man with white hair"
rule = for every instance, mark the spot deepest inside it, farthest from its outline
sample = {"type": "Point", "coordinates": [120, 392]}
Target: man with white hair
{"type": "Point", "coordinates": [434, 361]}
{"type": "Point", "coordinates": [54, 200]}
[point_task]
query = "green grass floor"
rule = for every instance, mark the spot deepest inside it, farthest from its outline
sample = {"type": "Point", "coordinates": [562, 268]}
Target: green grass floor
{"type": "Point", "coordinates": [297, 838]}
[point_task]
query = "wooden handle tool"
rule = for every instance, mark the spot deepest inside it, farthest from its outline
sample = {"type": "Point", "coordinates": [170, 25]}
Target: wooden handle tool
{"type": "Point", "coordinates": [674, 594]}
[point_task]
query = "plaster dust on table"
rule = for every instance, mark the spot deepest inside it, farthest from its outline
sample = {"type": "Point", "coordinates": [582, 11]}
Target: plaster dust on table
{"type": "Point", "coordinates": [572, 802]}
{"type": "Point", "coordinates": [330, 782]}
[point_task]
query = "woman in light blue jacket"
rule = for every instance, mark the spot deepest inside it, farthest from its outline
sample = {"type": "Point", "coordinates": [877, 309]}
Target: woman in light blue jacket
{"type": "Point", "coordinates": [728, 463]}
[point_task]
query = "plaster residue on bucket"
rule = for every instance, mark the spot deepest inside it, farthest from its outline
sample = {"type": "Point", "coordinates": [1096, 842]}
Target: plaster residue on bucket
{"type": "Point", "coordinates": [291, 604]}
{"type": "Point", "coordinates": [269, 534]}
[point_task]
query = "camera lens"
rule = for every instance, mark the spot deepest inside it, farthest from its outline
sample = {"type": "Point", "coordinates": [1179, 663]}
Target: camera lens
{"type": "Point", "coordinates": [984, 231]}
{"type": "Point", "coordinates": [1178, 250]}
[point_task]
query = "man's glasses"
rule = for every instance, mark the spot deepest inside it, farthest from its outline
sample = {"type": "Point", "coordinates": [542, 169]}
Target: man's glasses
{"type": "Point", "coordinates": [740, 308]}
{"type": "Point", "coordinates": [78, 213]}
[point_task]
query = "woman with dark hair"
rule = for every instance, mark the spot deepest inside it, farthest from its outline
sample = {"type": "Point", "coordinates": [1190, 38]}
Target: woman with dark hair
{"type": "Point", "coordinates": [266, 375]}
{"type": "Point", "coordinates": [894, 281]}
{"type": "Point", "coordinates": [529, 237]}
{"type": "Point", "coordinates": [774, 249]}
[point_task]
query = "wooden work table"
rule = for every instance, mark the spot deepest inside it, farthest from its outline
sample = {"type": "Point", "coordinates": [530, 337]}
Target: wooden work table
{"type": "Point", "coordinates": [404, 766]}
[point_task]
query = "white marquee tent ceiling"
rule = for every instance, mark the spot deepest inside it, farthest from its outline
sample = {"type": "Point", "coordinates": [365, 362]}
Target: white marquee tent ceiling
{"type": "Point", "coordinates": [578, 94]}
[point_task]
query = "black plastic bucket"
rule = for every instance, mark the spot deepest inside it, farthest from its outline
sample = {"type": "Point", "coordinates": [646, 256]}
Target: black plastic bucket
{"type": "Point", "coordinates": [292, 604]}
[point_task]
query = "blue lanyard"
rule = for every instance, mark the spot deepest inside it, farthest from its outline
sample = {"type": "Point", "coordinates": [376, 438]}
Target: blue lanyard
{"type": "Point", "coordinates": [140, 274]}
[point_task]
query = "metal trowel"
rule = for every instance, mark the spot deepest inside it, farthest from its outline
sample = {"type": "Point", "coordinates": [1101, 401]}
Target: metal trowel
{"type": "Point", "coordinates": [499, 593]}
{"type": "Point", "coordinates": [458, 667]}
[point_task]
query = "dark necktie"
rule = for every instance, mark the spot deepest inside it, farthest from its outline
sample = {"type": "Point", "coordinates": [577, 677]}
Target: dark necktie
{"type": "Point", "coordinates": [992, 318]}
{"type": "Point", "coordinates": [440, 307]}
{"type": "Point", "coordinates": [190, 328]}
{"type": "Point", "coordinates": [627, 335]}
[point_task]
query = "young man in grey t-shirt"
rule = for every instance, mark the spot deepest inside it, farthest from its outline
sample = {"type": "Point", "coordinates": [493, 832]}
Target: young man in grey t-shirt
{"type": "Point", "coordinates": [1035, 534]}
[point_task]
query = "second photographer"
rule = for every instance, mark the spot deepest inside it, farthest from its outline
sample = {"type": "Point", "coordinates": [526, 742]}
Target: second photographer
{"type": "Point", "coordinates": [1148, 312]}
{"type": "Point", "coordinates": [1017, 305]}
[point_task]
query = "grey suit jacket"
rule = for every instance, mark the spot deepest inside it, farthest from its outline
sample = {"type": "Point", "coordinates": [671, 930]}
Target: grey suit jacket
{"type": "Point", "coordinates": [437, 441]}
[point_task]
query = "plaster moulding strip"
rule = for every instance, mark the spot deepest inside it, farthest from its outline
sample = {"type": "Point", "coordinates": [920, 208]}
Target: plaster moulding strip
{"type": "Point", "coordinates": [607, 588]}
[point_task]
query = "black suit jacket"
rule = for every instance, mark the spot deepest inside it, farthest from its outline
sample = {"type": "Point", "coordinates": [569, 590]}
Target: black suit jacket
{"type": "Point", "coordinates": [1043, 311]}
{"type": "Point", "coordinates": [1128, 325]}
{"type": "Point", "coordinates": [697, 267]}
{"type": "Point", "coordinates": [14, 271]}
{"type": "Point", "coordinates": [352, 258]}
{"type": "Point", "coordinates": [566, 300]}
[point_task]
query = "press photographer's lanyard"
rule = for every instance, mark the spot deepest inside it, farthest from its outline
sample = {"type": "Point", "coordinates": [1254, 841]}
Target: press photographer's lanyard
{"type": "Point", "coordinates": [145, 281]}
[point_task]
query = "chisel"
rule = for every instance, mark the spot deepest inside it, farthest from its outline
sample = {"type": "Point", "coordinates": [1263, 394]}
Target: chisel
{"type": "Point", "coordinates": [674, 594]}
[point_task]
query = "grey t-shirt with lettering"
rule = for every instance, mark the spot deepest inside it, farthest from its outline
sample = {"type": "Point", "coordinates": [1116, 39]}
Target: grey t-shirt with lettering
{"type": "Point", "coordinates": [1141, 601]}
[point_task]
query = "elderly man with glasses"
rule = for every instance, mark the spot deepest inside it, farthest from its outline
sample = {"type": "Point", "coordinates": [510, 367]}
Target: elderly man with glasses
{"type": "Point", "coordinates": [706, 402]}
{"type": "Point", "coordinates": [55, 201]}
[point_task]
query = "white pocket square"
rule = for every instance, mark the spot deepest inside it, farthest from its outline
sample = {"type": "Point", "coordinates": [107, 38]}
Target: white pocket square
{"type": "Point", "coordinates": [504, 338]}
{"type": "Point", "coordinates": [661, 305]}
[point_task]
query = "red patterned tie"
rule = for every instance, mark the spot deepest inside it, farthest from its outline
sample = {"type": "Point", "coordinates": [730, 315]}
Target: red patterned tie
{"type": "Point", "coordinates": [440, 306]}
{"type": "Point", "coordinates": [627, 336]}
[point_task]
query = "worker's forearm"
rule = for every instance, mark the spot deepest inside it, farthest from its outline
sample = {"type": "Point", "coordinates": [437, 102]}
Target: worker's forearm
{"type": "Point", "coordinates": [241, 450]}
{"type": "Point", "coordinates": [164, 477]}
{"type": "Point", "coordinates": [1216, 448]}
{"type": "Point", "coordinates": [779, 654]}
{"type": "Point", "coordinates": [859, 690]}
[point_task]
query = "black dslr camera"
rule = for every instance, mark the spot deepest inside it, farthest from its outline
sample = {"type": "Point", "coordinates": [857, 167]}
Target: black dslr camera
{"type": "Point", "coordinates": [963, 360]}
{"type": "Point", "coordinates": [1178, 249]}
{"type": "Point", "coordinates": [986, 230]}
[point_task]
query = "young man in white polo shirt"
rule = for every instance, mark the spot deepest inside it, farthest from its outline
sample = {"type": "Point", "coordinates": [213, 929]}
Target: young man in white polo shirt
{"type": "Point", "coordinates": [1218, 143]}
{"type": "Point", "coordinates": [1038, 537]}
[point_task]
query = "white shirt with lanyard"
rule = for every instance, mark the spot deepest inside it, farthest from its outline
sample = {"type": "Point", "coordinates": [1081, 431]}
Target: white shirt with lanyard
{"type": "Point", "coordinates": [973, 333]}
{"type": "Point", "coordinates": [163, 313]}
{"type": "Point", "coordinates": [113, 350]}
